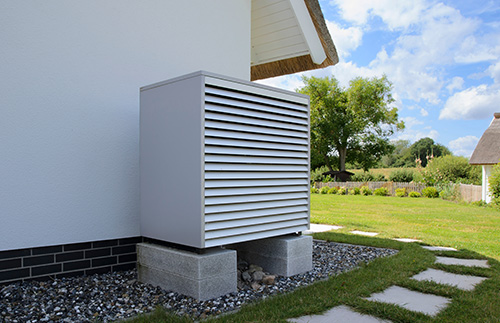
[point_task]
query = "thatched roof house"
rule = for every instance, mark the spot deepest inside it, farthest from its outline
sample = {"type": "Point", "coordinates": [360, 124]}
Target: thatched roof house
{"type": "Point", "coordinates": [487, 151]}
{"type": "Point", "coordinates": [487, 154]}
{"type": "Point", "coordinates": [311, 50]}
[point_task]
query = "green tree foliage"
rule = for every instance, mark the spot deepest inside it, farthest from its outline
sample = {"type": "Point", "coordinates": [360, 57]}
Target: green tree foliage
{"type": "Point", "coordinates": [400, 156]}
{"type": "Point", "coordinates": [425, 149]}
{"type": "Point", "coordinates": [404, 175]}
{"type": "Point", "coordinates": [454, 169]}
{"type": "Point", "coordinates": [494, 182]}
{"type": "Point", "coordinates": [350, 125]}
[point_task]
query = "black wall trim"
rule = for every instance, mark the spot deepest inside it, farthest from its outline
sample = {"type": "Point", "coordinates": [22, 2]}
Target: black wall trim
{"type": "Point", "coordinates": [69, 260]}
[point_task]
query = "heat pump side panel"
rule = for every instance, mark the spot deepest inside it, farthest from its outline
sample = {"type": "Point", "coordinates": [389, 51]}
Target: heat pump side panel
{"type": "Point", "coordinates": [171, 161]}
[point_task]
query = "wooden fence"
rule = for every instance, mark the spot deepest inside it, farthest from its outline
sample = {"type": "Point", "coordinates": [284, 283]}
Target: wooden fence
{"type": "Point", "coordinates": [469, 193]}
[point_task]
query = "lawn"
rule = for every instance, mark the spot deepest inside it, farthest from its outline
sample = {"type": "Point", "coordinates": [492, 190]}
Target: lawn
{"type": "Point", "coordinates": [435, 221]}
{"type": "Point", "coordinates": [473, 230]}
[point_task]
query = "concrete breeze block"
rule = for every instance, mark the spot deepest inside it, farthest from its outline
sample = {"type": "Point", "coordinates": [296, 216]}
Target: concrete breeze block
{"type": "Point", "coordinates": [285, 255]}
{"type": "Point", "coordinates": [201, 276]}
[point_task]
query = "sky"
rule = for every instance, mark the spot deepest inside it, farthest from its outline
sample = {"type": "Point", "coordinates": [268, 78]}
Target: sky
{"type": "Point", "coordinates": [442, 57]}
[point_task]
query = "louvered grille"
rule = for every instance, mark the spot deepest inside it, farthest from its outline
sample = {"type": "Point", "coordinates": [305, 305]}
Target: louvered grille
{"type": "Point", "coordinates": [256, 166]}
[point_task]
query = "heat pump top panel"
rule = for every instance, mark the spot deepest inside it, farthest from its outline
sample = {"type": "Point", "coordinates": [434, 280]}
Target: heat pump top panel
{"type": "Point", "coordinates": [222, 161]}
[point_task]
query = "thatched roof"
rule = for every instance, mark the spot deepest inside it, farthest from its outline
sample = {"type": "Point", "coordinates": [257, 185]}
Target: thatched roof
{"type": "Point", "coordinates": [487, 151]}
{"type": "Point", "coordinates": [301, 63]}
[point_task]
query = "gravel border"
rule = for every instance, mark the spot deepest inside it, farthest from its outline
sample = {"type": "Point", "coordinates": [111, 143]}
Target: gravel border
{"type": "Point", "coordinates": [119, 295]}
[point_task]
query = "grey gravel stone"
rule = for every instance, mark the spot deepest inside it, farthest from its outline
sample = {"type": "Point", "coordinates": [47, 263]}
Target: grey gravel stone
{"type": "Point", "coordinates": [118, 295]}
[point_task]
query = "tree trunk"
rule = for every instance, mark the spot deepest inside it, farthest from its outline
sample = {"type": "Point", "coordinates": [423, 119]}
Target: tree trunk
{"type": "Point", "coordinates": [327, 163]}
{"type": "Point", "coordinates": [342, 156]}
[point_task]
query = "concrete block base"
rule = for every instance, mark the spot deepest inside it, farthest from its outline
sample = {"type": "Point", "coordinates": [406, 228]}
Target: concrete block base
{"type": "Point", "coordinates": [201, 276]}
{"type": "Point", "coordinates": [285, 255]}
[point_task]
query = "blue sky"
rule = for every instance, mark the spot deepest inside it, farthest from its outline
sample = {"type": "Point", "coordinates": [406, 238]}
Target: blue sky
{"type": "Point", "coordinates": [443, 58]}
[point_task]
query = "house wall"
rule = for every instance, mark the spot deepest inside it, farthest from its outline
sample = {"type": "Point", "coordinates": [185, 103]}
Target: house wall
{"type": "Point", "coordinates": [485, 184]}
{"type": "Point", "coordinates": [69, 102]}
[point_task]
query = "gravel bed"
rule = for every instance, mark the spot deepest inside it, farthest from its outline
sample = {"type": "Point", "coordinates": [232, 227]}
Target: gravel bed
{"type": "Point", "coordinates": [119, 295]}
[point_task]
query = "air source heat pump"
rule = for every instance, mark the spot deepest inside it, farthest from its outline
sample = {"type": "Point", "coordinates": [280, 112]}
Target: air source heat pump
{"type": "Point", "coordinates": [222, 161]}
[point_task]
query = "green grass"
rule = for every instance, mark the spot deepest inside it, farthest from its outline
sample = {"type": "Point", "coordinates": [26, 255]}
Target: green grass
{"type": "Point", "coordinates": [435, 221]}
{"type": "Point", "coordinates": [474, 230]}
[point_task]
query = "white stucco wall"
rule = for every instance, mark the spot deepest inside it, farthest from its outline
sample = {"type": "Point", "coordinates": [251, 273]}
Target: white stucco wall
{"type": "Point", "coordinates": [486, 195]}
{"type": "Point", "coordinates": [70, 73]}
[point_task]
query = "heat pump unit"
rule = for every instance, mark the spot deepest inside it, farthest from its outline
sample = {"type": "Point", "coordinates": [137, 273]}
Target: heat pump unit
{"type": "Point", "coordinates": [222, 161]}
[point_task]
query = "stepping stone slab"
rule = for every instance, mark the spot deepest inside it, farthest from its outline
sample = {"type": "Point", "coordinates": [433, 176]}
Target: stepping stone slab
{"type": "Point", "coordinates": [321, 228]}
{"type": "Point", "coordinates": [462, 262]}
{"type": "Point", "coordinates": [407, 240]}
{"type": "Point", "coordinates": [363, 233]}
{"type": "Point", "coordinates": [463, 282]}
{"type": "Point", "coordinates": [432, 248]}
{"type": "Point", "coordinates": [411, 300]}
{"type": "Point", "coordinates": [339, 314]}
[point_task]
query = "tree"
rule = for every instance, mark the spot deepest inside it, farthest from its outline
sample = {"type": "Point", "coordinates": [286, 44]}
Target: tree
{"type": "Point", "coordinates": [353, 124]}
{"type": "Point", "coordinates": [425, 149]}
{"type": "Point", "coordinates": [398, 157]}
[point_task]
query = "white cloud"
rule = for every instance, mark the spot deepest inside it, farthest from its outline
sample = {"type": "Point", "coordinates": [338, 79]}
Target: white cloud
{"type": "Point", "coordinates": [424, 112]}
{"type": "Point", "coordinates": [410, 122]}
{"type": "Point", "coordinates": [457, 83]}
{"type": "Point", "coordinates": [473, 103]}
{"type": "Point", "coordinates": [413, 130]}
{"type": "Point", "coordinates": [494, 72]}
{"type": "Point", "coordinates": [463, 146]}
{"type": "Point", "coordinates": [396, 14]}
{"type": "Point", "coordinates": [346, 40]}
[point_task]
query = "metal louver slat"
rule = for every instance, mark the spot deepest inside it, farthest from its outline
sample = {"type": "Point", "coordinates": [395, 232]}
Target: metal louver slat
{"type": "Point", "coordinates": [240, 111]}
{"type": "Point", "coordinates": [254, 129]}
{"type": "Point", "coordinates": [255, 122]}
{"type": "Point", "coordinates": [253, 206]}
{"type": "Point", "coordinates": [255, 183]}
{"type": "Point", "coordinates": [217, 217]}
{"type": "Point", "coordinates": [256, 99]}
{"type": "Point", "coordinates": [253, 228]}
{"type": "Point", "coordinates": [253, 198]}
{"type": "Point", "coordinates": [253, 175]}
{"type": "Point", "coordinates": [254, 236]}
{"type": "Point", "coordinates": [254, 160]}
{"type": "Point", "coordinates": [225, 133]}
{"type": "Point", "coordinates": [209, 149]}
{"type": "Point", "coordinates": [209, 192]}
{"type": "Point", "coordinates": [253, 144]}
{"type": "Point", "coordinates": [254, 221]}
{"type": "Point", "coordinates": [254, 168]}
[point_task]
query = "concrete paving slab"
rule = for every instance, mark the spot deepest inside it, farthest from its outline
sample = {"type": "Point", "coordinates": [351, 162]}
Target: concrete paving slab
{"type": "Point", "coordinates": [364, 233]}
{"type": "Point", "coordinates": [407, 240]}
{"type": "Point", "coordinates": [314, 228]}
{"type": "Point", "coordinates": [338, 314]}
{"type": "Point", "coordinates": [411, 300]}
{"type": "Point", "coordinates": [432, 248]}
{"type": "Point", "coordinates": [462, 262]}
{"type": "Point", "coordinates": [463, 282]}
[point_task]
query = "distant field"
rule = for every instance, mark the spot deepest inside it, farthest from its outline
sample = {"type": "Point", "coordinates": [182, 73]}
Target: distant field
{"type": "Point", "coordinates": [384, 171]}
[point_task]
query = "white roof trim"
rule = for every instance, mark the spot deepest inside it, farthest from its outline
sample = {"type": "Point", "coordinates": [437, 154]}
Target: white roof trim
{"type": "Point", "coordinates": [309, 31]}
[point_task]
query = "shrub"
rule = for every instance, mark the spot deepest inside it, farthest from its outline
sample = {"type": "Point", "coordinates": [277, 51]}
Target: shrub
{"type": "Point", "coordinates": [317, 174]}
{"type": "Point", "coordinates": [402, 175]}
{"type": "Point", "coordinates": [414, 194]}
{"type": "Point", "coordinates": [401, 192]}
{"type": "Point", "coordinates": [324, 190]}
{"type": "Point", "coordinates": [341, 191]}
{"type": "Point", "coordinates": [430, 192]}
{"type": "Point", "coordinates": [449, 191]}
{"type": "Point", "coordinates": [455, 169]}
{"type": "Point", "coordinates": [333, 190]}
{"type": "Point", "coordinates": [367, 177]}
{"type": "Point", "coordinates": [314, 190]}
{"type": "Point", "coordinates": [327, 179]}
{"type": "Point", "coordinates": [365, 191]}
{"type": "Point", "coordinates": [494, 181]}
{"type": "Point", "coordinates": [354, 191]}
{"type": "Point", "coordinates": [381, 191]}
{"type": "Point", "coordinates": [379, 178]}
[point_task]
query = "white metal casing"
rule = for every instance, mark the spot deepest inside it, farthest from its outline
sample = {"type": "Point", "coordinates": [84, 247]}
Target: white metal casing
{"type": "Point", "coordinates": [222, 161]}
